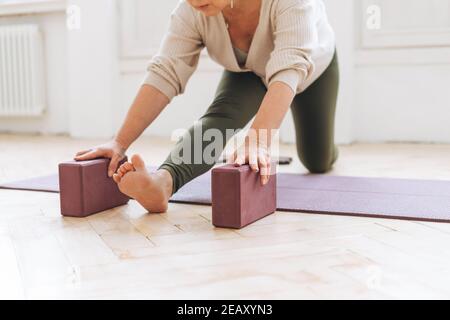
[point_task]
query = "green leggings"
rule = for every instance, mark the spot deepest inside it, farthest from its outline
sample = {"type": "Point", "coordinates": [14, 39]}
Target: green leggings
{"type": "Point", "coordinates": [237, 101]}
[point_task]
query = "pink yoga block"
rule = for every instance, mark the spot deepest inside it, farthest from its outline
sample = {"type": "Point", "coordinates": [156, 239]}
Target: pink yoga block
{"type": "Point", "coordinates": [239, 199]}
{"type": "Point", "coordinates": [86, 188]}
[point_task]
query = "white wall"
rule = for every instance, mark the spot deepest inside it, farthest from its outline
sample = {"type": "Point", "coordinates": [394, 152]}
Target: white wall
{"type": "Point", "coordinates": [55, 119]}
{"type": "Point", "coordinates": [393, 80]}
{"type": "Point", "coordinates": [402, 72]}
{"type": "Point", "coordinates": [413, 105]}
{"type": "Point", "coordinates": [82, 67]}
{"type": "Point", "coordinates": [93, 70]}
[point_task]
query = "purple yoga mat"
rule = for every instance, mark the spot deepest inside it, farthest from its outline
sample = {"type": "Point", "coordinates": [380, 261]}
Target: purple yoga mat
{"type": "Point", "coordinates": [44, 184]}
{"type": "Point", "coordinates": [423, 200]}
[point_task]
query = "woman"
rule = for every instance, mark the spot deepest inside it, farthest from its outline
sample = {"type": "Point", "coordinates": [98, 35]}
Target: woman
{"type": "Point", "coordinates": [277, 54]}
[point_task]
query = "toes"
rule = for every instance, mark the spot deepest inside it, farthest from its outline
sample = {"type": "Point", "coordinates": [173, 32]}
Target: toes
{"type": "Point", "coordinates": [125, 168]}
{"type": "Point", "coordinates": [128, 166]}
{"type": "Point", "coordinates": [138, 163]}
{"type": "Point", "coordinates": [122, 170]}
{"type": "Point", "coordinates": [117, 178]}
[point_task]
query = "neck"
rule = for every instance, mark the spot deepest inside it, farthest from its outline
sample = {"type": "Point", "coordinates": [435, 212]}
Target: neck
{"type": "Point", "coordinates": [241, 7]}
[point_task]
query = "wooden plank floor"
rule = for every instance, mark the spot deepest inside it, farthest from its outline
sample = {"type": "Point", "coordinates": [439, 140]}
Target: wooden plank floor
{"type": "Point", "coordinates": [126, 253]}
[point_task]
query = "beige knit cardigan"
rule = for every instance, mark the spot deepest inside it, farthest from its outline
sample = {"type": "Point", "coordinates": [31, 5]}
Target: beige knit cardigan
{"type": "Point", "coordinates": [293, 44]}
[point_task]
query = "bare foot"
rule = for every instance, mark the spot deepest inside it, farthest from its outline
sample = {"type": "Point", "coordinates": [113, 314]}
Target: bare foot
{"type": "Point", "coordinates": [151, 190]}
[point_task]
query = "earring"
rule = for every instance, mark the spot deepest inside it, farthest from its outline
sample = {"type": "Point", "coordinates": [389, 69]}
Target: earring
{"type": "Point", "coordinates": [232, 4]}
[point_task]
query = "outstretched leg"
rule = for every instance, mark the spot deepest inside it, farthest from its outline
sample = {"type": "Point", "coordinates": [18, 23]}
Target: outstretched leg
{"type": "Point", "coordinates": [237, 100]}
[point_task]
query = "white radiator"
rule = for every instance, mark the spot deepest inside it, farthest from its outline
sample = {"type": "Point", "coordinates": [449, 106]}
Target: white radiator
{"type": "Point", "coordinates": [22, 89]}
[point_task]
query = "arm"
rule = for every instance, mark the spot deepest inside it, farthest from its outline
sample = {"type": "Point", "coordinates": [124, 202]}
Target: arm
{"type": "Point", "coordinates": [295, 38]}
{"type": "Point", "coordinates": [290, 65]}
{"type": "Point", "coordinates": [168, 74]}
{"type": "Point", "coordinates": [256, 150]}
{"type": "Point", "coordinates": [273, 110]}
{"type": "Point", "coordinates": [147, 106]}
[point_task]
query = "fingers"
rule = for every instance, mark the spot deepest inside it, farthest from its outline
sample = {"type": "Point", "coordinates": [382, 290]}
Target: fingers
{"type": "Point", "coordinates": [82, 152]}
{"type": "Point", "coordinates": [231, 159]}
{"type": "Point", "coordinates": [253, 161]}
{"type": "Point", "coordinates": [258, 158]}
{"type": "Point", "coordinates": [89, 155]}
{"type": "Point", "coordinates": [265, 167]}
{"type": "Point", "coordinates": [113, 165]}
{"type": "Point", "coordinates": [240, 159]}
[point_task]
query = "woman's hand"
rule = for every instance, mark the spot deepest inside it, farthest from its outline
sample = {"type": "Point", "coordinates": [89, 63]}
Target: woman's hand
{"type": "Point", "coordinates": [257, 155]}
{"type": "Point", "coordinates": [112, 150]}
{"type": "Point", "coordinates": [256, 149]}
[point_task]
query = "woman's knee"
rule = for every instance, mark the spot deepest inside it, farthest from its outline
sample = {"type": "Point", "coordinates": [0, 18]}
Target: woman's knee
{"type": "Point", "coordinates": [317, 167]}
{"type": "Point", "coordinates": [319, 163]}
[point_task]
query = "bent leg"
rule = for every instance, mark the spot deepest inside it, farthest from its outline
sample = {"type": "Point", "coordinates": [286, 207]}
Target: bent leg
{"type": "Point", "coordinates": [314, 117]}
{"type": "Point", "coordinates": [237, 100]}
